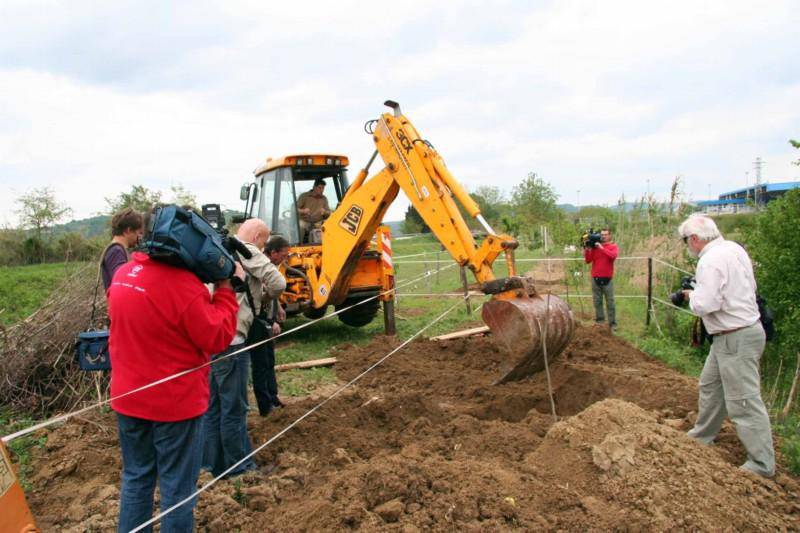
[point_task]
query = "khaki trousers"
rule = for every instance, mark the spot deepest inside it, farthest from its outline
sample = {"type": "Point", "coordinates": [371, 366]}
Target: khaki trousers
{"type": "Point", "coordinates": [730, 385]}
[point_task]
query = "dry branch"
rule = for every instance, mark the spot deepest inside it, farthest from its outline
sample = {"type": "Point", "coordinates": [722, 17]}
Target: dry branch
{"type": "Point", "coordinates": [327, 361]}
{"type": "Point", "coordinates": [462, 333]}
{"type": "Point", "coordinates": [793, 390]}
{"type": "Point", "coordinates": [41, 376]}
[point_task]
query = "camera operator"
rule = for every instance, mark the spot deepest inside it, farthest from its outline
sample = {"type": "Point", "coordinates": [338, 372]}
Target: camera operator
{"type": "Point", "coordinates": [265, 385]}
{"type": "Point", "coordinates": [602, 256]}
{"type": "Point", "coordinates": [226, 440]}
{"type": "Point", "coordinates": [725, 298]}
{"type": "Point", "coordinates": [163, 321]}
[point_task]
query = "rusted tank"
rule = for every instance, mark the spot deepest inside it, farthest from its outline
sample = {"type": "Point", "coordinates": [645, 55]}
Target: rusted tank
{"type": "Point", "coordinates": [526, 325]}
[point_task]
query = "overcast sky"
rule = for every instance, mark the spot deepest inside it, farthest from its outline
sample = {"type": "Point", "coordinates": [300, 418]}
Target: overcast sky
{"type": "Point", "coordinates": [593, 96]}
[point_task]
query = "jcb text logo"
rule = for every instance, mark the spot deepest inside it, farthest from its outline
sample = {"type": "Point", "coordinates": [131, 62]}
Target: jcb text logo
{"type": "Point", "coordinates": [351, 219]}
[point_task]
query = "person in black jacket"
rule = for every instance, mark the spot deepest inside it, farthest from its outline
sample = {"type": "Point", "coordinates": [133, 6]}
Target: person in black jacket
{"type": "Point", "coordinates": [265, 384]}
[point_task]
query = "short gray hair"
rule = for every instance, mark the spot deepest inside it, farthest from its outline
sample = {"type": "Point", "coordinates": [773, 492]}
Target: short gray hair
{"type": "Point", "coordinates": [701, 225]}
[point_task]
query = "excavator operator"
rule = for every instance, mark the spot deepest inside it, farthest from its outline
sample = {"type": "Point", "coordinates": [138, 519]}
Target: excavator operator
{"type": "Point", "coordinates": [312, 206]}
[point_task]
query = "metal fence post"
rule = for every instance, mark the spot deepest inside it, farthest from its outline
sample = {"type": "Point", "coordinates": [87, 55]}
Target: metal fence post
{"type": "Point", "coordinates": [649, 289]}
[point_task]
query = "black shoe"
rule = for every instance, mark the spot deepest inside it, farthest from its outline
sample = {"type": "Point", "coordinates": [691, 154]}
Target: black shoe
{"type": "Point", "coordinates": [264, 412]}
{"type": "Point", "coordinates": [278, 403]}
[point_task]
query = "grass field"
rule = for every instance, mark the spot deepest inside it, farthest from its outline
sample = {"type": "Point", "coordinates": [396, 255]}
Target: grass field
{"type": "Point", "coordinates": [23, 289]}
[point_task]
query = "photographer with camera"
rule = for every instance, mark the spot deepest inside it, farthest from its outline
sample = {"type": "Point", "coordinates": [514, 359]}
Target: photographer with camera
{"type": "Point", "coordinates": [724, 296]}
{"type": "Point", "coordinates": [163, 321]}
{"type": "Point", "coordinates": [601, 252]}
{"type": "Point", "coordinates": [226, 439]}
{"type": "Point", "coordinates": [265, 384]}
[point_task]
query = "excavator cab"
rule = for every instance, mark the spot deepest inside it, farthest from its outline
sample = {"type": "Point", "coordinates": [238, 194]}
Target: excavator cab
{"type": "Point", "coordinates": [281, 182]}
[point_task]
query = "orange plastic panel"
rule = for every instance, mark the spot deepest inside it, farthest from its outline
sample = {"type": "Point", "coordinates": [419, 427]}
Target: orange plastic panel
{"type": "Point", "coordinates": [16, 516]}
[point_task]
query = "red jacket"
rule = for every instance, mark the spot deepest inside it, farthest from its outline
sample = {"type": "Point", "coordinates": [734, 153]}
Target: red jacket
{"type": "Point", "coordinates": [163, 320]}
{"type": "Point", "coordinates": [602, 259]}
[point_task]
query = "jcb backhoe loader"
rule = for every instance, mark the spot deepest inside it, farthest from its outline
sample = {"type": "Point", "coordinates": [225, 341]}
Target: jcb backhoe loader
{"type": "Point", "coordinates": [338, 266]}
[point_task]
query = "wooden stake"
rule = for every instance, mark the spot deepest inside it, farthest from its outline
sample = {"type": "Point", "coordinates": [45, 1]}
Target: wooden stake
{"type": "Point", "coordinates": [462, 333]}
{"type": "Point", "coordinates": [327, 361]}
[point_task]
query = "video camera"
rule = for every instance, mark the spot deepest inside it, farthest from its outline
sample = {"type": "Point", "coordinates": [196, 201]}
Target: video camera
{"type": "Point", "coordinates": [591, 238]}
{"type": "Point", "coordinates": [687, 284]}
{"type": "Point", "coordinates": [186, 239]}
{"type": "Point", "coordinates": [216, 219]}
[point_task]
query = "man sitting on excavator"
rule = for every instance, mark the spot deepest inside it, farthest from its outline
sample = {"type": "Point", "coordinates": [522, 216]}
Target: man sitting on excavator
{"type": "Point", "coordinates": [312, 206]}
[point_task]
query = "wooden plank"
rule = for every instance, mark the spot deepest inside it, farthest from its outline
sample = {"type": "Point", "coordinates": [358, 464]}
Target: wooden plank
{"type": "Point", "coordinates": [462, 333]}
{"type": "Point", "coordinates": [327, 361]}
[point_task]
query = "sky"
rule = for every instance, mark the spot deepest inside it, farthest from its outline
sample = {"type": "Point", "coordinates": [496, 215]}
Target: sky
{"type": "Point", "coordinates": [600, 99]}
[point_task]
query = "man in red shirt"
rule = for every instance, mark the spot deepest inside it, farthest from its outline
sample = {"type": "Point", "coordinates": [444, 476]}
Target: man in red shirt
{"type": "Point", "coordinates": [602, 256]}
{"type": "Point", "coordinates": [163, 321]}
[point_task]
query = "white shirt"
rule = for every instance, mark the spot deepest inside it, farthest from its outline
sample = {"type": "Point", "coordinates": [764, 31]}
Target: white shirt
{"type": "Point", "coordinates": [725, 295]}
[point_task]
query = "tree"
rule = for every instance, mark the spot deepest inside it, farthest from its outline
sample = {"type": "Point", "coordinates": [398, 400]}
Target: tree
{"type": "Point", "coordinates": [776, 255]}
{"type": "Point", "coordinates": [182, 196]}
{"type": "Point", "coordinates": [796, 144]}
{"type": "Point", "coordinates": [413, 222]}
{"type": "Point", "coordinates": [534, 201]}
{"type": "Point", "coordinates": [39, 210]}
{"type": "Point", "coordinates": [139, 198]}
{"type": "Point", "coordinates": [492, 203]}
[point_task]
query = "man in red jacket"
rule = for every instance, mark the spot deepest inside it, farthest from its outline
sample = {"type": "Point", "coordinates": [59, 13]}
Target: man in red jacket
{"type": "Point", "coordinates": [163, 321]}
{"type": "Point", "coordinates": [602, 256]}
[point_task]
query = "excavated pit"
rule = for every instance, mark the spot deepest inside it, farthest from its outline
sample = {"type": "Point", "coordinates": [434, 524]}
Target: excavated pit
{"type": "Point", "coordinates": [425, 442]}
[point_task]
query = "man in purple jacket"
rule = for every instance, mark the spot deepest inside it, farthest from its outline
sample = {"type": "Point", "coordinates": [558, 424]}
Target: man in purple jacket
{"type": "Point", "coordinates": [126, 228]}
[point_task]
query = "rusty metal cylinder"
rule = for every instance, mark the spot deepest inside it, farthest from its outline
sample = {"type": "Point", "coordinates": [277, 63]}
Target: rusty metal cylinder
{"type": "Point", "coordinates": [524, 328]}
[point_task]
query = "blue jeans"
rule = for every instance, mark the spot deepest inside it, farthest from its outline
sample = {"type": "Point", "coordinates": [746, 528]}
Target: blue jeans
{"type": "Point", "coordinates": [167, 451]}
{"type": "Point", "coordinates": [225, 423]}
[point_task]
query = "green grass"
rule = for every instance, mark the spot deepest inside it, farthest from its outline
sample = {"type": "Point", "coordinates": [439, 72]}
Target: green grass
{"type": "Point", "coordinates": [790, 445]}
{"type": "Point", "coordinates": [21, 448]}
{"type": "Point", "coordinates": [24, 289]}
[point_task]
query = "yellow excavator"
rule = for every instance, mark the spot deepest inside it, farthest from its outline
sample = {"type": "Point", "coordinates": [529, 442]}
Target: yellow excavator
{"type": "Point", "coordinates": [338, 264]}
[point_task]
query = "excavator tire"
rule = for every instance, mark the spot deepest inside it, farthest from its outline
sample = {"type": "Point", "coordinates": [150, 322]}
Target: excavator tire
{"type": "Point", "coordinates": [360, 315]}
{"type": "Point", "coordinates": [314, 313]}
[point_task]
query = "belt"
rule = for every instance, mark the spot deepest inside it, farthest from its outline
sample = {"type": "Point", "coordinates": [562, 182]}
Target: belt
{"type": "Point", "coordinates": [734, 330]}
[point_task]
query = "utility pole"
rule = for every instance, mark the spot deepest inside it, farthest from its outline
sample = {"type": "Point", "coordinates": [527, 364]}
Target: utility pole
{"type": "Point", "coordinates": [757, 165]}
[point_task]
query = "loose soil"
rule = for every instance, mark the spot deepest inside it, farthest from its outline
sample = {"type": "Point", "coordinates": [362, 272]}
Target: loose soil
{"type": "Point", "coordinates": [425, 442]}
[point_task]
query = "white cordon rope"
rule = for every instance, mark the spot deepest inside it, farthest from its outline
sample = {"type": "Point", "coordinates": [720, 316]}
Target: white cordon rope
{"type": "Point", "coordinates": [657, 260]}
{"type": "Point", "coordinates": [669, 304]}
{"type": "Point", "coordinates": [67, 416]}
{"type": "Point", "coordinates": [538, 259]}
{"type": "Point", "coordinates": [293, 424]}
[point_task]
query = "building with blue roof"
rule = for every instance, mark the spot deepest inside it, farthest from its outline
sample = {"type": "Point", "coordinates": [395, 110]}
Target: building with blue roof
{"type": "Point", "coordinates": [744, 200]}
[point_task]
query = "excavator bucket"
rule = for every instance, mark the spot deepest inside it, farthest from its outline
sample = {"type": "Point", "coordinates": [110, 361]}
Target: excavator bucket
{"type": "Point", "coordinates": [528, 327]}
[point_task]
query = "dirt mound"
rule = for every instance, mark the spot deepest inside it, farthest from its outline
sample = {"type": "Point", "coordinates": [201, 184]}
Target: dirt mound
{"type": "Point", "coordinates": [425, 442]}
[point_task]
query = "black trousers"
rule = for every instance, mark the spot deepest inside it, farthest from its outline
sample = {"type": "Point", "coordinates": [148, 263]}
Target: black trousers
{"type": "Point", "coordinates": [265, 385]}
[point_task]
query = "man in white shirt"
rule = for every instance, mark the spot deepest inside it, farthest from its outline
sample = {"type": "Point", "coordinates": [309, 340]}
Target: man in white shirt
{"type": "Point", "coordinates": [725, 298]}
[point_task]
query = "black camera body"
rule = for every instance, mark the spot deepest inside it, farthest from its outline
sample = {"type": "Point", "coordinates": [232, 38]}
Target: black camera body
{"type": "Point", "coordinates": [591, 238]}
{"type": "Point", "coordinates": [687, 284]}
{"type": "Point", "coordinates": [216, 219]}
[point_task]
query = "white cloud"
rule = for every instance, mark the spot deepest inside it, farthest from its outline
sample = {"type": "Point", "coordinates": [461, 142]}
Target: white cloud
{"type": "Point", "coordinates": [597, 97]}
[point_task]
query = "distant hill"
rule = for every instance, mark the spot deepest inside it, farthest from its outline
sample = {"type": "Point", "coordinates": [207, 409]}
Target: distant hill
{"type": "Point", "coordinates": [396, 227]}
{"type": "Point", "coordinates": [99, 226]}
{"type": "Point", "coordinates": [570, 208]}
{"type": "Point", "coordinates": [95, 226]}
